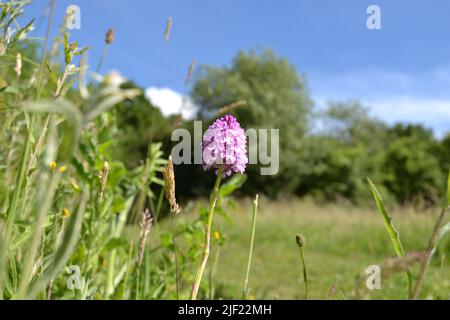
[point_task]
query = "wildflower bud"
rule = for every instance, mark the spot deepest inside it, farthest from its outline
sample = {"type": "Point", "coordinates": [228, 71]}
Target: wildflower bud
{"type": "Point", "coordinates": [73, 46]}
{"type": "Point", "coordinates": [62, 169]}
{"type": "Point", "coordinates": [216, 235]}
{"type": "Point", "coordinates": [110, 35]}
{"type": "Point", "coordinates": [65, 213]}
{"type": "Point", "coordinates": [300, 240]}
{"type": "Point", "coordinates": [18, 68]}
{"type": "Point", "coordinates": [169, 180]}
{"type": "Point", "coordinates": [52, 165]}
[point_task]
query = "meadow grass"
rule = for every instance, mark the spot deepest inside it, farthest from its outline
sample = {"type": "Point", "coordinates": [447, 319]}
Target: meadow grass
{"type": "Point", "coordinates": [341, 241]}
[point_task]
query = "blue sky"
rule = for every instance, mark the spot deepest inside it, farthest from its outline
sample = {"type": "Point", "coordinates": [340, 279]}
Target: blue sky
{"type": "Point", "coordinates": [402, 72]}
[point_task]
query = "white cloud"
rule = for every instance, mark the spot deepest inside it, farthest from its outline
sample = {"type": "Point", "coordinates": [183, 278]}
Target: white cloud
{"type": "Point", "coordinates": [433, 113]}
{"type": "Point", "coordinates": [171, 102]}
{"type": "Point", "coordinates": [391, 95]}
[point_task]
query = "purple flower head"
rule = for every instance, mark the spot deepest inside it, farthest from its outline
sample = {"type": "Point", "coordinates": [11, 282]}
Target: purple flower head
{"type": "Point", "coordinates": [225, 143]}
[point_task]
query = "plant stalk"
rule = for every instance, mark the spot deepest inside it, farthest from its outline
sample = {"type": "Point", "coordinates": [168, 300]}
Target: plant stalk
{"type": "Point", "coordinates": [252, 239]}
{"type": "Point", "coordinates": [428, 254]}
{"type": "Point", "coordinates": [212, 206]}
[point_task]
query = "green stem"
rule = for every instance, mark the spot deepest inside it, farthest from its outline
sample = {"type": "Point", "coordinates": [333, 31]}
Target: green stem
{"type": "Point", "coordinates": [102, 58]}
{"type": "Point", "coordinates": [252, 239]}
{"type": "Point", "coordinates": [39, 228]}
{"type": "Point", "coordinates": [175, 251]}
{"type": "Point", "coordinates": [305, 273]}
{"type": "Point", "coordinates": [428, 254]}
{"type": "Point", "coordinates": [212, 272]}
{"type": "Point", "coordinates": [212, 206]}
{"type": "Point", "coordinates": [20, 180]}
{"type": "Point", "coordinates": [44, 51]}
{"type": "Point", "coordinates": [110, 283]}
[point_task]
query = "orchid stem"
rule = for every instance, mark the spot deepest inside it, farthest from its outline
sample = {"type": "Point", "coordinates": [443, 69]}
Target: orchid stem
{"type": "Point", "coordinates": [212, 206]}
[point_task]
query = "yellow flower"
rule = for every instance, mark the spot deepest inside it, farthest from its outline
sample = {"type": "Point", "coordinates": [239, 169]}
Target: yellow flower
{"type": "Point", "coordinates": [216, 235]}
{"type": "Point", "coordinates": [65, 213]}
{"type": "Point", "coordinates": [62, 168]}
{"type": "Point", "coordinates": [52, 165]}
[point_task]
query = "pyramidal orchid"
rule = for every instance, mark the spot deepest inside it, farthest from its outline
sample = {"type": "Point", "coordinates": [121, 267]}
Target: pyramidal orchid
{"type": "Point", "coordinates": [224, 148]}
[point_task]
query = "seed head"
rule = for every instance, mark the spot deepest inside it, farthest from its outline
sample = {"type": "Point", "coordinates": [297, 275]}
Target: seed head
{"type": "Point", "coordinates": [18, 68]}
{"type": "Point", "coordinates": [110, 35]}
{"type": "Point", "coordinates": [300, 240]}
{"type": "Point", "coordinates": [146, 222]}
{"type": "Point", "coordinates": [103, 179]}
{"type": "Point", "coordinates": [167, 30]}
{"type": "Point", "coordinates": [169, 181]}
{"type": "Point", "coordinates": [146, 225]}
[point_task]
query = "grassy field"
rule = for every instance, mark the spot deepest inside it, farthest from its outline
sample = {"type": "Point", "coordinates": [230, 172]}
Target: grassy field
{"type": "Point", "coordinates": [341, 242]}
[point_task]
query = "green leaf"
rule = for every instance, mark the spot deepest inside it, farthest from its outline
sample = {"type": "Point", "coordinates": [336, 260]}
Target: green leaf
{"type": "Point", "coordinates": [115, 243]}
{"type": "Point", "coordinates": [67, 55]}
{"type": "Point", "coordinates": [393, 234]}
{"type": "Point", "coordinates": [28, 233]}
{"type": "Point", "coordinates": [236, 182]}
{"type": "Point", "coordinates": [441, 235]}
{"type": "Point", "coordinates": [66, 109]}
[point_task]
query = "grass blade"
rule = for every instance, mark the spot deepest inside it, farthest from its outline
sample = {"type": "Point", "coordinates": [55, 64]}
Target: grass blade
{"type": "Point", "coordinates": [393, 233]}
{"type": "Point", "coordinates": [252, 240]}
{"type": "Point", "coordinates": [64, 251]}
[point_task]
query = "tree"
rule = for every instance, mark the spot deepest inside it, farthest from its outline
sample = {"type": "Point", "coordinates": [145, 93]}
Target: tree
{"type": "Point", "coordinates": [411, 166]}
{"type": "Point", "coordinates": [140, 123]}
{"type": "Point", "coordinates": [346, 148]}
{"type": "Point", "coordinates": [444, 154]}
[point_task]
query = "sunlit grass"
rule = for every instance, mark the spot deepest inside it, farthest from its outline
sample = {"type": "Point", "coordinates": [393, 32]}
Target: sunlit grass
{"type": "Point", "coordinates": [342, 241]}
